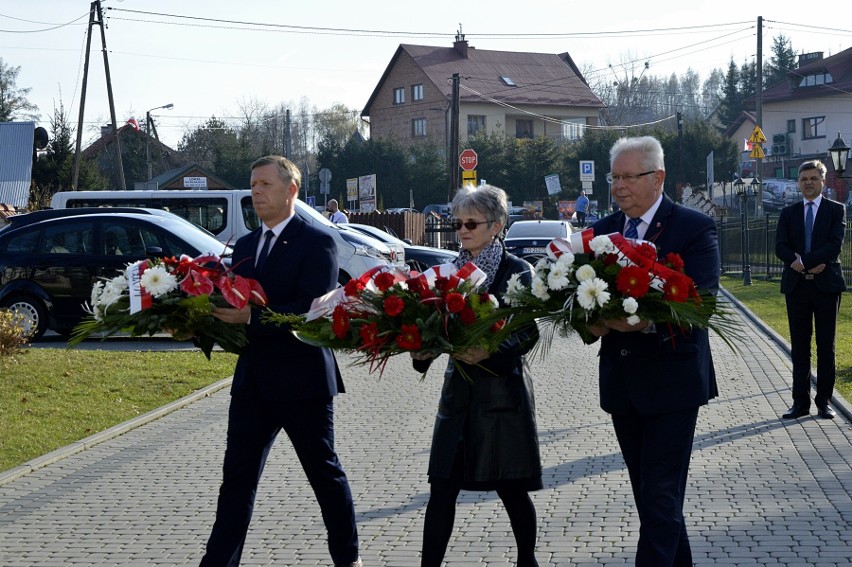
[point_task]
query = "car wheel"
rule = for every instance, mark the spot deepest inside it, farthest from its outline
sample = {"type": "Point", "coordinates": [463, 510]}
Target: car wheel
{"type": "Point", "coordinates": [33, 310]}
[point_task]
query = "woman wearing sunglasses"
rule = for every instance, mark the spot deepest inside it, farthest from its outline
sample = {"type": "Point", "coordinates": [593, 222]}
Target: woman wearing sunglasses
{"type": "Point", "coordinates": [485, 432]}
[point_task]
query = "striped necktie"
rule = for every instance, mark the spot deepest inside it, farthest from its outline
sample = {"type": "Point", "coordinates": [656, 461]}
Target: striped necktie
{"type": "Point", "coordinates": [631, 231]}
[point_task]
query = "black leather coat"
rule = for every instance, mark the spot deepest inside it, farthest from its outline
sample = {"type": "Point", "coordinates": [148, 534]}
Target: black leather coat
{"type": "Point", "coordinates": [493, 413]}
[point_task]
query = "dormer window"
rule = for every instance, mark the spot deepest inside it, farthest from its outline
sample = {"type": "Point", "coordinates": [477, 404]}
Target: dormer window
{"type": "Point", "coordinates": [815, 79]}
{"type": "Point", "coordinates": [508, 81]}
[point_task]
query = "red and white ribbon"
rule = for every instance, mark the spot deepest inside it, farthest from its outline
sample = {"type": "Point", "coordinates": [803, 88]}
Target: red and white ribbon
{"type": "Point", "coordinates": [140, 299]}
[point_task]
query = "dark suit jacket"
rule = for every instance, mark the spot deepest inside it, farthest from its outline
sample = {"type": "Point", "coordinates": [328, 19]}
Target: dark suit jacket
{"type": "Point", "coordinates": [301, 265]}
{"type": "Point", "coordinates": [826, 241]}
{"type": "Point", "coordinates": [669, 370]}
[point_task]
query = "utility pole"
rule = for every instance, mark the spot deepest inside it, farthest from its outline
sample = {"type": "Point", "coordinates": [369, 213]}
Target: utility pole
{"type": "Point", "coordinates": [680, 151]}
{"type": "Point", "coordinates": [96, 17]}
{"type": "Point", "coordinates": [758, 201]}
{"type": "Point", "coordinates": [288, 145]}
{"type": "Point", "coordinates": [454, 139]}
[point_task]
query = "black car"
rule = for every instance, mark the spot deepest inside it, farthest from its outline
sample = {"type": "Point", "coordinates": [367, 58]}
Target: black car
{"type": "Point", "coordinates": [529, 239]}
{"type": "Point", "coordinates": [49, 260]}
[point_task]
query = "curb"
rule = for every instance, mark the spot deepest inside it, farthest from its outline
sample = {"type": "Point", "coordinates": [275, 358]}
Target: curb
{"type": "Point", "coordinates": [107, 434]}
{"type": "Point", "coordinates": [842, 406]}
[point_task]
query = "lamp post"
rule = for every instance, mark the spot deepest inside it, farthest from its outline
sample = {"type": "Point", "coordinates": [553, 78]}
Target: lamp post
{"type": "Point", "coordinates": [743, 194]}
{"type": "Point", "coordinates": [148, 135]}
{"type": "Point", "coordinates": [839, 153]}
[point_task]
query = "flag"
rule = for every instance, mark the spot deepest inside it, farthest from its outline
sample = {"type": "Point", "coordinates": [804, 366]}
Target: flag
{"type": "Point", "coordinates": [133, 123]}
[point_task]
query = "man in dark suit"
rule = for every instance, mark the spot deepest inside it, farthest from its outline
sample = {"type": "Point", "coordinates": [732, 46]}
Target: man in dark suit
{"type": "Point", "coordinates": [280, 382]}
{"type": "Point", "coordinates": [808, 241]}
{"type": "Point", "coordinates": [653, 378]}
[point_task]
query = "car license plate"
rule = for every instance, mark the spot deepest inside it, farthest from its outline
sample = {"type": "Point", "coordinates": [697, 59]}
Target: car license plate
{"type": "Point", "coordinates": [537, 250]}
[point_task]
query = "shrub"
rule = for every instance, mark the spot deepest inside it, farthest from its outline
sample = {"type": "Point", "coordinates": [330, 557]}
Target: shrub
{"type": "Point", "coordinates": [13, 332]}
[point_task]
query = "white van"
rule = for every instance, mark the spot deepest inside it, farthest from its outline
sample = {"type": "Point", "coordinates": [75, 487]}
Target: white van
{"type": "Point", "coordinates": [786, 189]}
{"type": "Point", "coordinates": [228, 215]}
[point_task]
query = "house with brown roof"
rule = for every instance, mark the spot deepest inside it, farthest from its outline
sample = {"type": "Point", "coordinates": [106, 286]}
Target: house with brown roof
{"type": "Point", "coordinates": [523, 95]}
{"type": "Point", "coordinates": [136, 146]}
{"type": "Point", "coordinates": [803, 114]}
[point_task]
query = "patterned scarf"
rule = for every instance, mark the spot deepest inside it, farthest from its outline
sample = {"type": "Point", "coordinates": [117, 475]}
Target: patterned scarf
{"type": "Point", "coordinates": [488, 260]}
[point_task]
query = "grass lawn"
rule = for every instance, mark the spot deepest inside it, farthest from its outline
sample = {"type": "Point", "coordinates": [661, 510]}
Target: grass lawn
{"type": "Point", "coordinates": [766, 301]}
{"type": "Point", "coordinates": [52, 397]}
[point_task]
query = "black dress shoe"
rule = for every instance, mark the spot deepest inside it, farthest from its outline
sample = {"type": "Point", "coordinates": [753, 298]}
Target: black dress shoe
{"type": "Point", "coordinates": [796, 411]}
{"type": "Point", "coordinates": [826, 412]}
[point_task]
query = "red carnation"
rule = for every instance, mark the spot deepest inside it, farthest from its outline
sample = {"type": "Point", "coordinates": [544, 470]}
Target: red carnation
{"type": "Point", "coordinates": [633, 281]}
{"type": "Point", "coordinates": [442, 284]}
{"type": "Point", "coordinates": [409, 338]}
{"type": "Point", "coordinates": [394, 305]}
{"type": "Point", "coordinates": [610, 259]}
{"type": "Point", "coordinates": [455, 302]}
{"type": "Point", "coordinates": [674, 261]}
{"type": "Point", "coordinates": [369, 334]}
{"type": "Point", "coordinates": [677, 288]}
{"type": "Point", "coordinates": [467, 315]}
{"type": "Point", "coordinates": [340, 322]}
{"type": "Point", "coordinates": [353, 288]}
{"type": "Point", "coordinates": [646, 251]}
{"type": "Point", "coordinates": [384, 281]}
{"type": "Point", "coordinates": [415, 285]}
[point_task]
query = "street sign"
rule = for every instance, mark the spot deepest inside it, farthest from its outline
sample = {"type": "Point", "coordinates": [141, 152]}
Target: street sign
{"type": "Point", "coordinates": [552, 184]}
{"type": "Point", "coordinates": [757, 136]}
{"type": "Point", "coordinates": [587, 170]}
{"type": "Point", "coordinates": [325, 175]}
{"type": "Point", "coordinates": [468, 160]}
{"type": "Point", "coordinates": [469, 177]}
{"type": "Point", "coordinates": [757, 153]}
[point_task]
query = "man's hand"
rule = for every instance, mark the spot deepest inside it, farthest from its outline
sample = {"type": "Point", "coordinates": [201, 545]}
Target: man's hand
{"type": "Point", "coordinates": [473, 355]}
{"type": "Point", "coordinates": [231, 315]}
{"type": "Point", "coordinates": [423, 355]}
{"type": "Point", "coordinates": [797, 265]}
{"type": "Point", "coordinates": [818, 269]}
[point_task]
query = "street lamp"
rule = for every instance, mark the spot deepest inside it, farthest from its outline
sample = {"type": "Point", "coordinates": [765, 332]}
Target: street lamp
{"type": "Point", "coordinates": [839, 152]}
{"type": "Point", "coordinates": [148, 124]}
{"type": "Point", "coordinates": [743, 194]}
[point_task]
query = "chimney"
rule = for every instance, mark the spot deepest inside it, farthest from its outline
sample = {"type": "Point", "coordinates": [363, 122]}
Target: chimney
{"type": "Point", "coordinates": [106, 129]}
{"type": "Point", "coordinates": [806, 58]}
{"type": "Point", "coordinates": [460, 45]}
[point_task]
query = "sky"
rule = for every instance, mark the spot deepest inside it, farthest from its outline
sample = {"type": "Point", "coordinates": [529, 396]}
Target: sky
{"type": "Point", "coordinates": [214, 57]}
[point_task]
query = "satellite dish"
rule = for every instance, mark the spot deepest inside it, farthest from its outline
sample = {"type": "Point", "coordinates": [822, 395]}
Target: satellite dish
{"type": "Point", "coordinates": [40, 140]}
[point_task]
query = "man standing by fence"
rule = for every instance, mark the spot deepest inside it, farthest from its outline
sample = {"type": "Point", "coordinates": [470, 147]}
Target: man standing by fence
{"type": "Point", "coordinates": [808, 241]}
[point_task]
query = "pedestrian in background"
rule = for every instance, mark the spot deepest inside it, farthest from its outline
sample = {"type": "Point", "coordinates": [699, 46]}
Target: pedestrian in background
{"type": "Point", "coordinates": [582, 208]}
{"type": "Point", "coordinates": [279, 381]}
{"type": "Point", "coordinates": [485, 435]}
{"type": "Point", "coordinates": [808, 241]}
{"type": "Point", "coordinates": [653, 378]}
{"type": "Point", "coordinates": [335, 214]}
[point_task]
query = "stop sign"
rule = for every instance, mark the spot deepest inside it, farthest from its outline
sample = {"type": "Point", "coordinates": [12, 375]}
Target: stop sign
{"type": "Point", "coordinates": [468, 159]}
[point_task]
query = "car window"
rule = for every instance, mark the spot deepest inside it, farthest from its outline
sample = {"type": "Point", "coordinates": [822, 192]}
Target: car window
{"type": "Point", "coordinates": [66, 238]}
{"type": "Point", "coordinates": [527, 229]}
{"type": "Point", "coordinates": [21, 242]}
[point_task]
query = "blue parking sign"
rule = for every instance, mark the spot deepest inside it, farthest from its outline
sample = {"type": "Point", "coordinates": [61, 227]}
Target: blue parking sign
{"type": "Point", "coordinates": [587, 170]}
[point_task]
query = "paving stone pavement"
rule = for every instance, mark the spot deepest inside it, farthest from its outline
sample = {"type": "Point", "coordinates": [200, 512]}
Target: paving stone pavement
{"type": "Point", "coordinates": [762, 491]}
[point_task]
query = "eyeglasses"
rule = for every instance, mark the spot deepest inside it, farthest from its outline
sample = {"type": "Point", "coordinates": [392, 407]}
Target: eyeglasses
{"type": "Point", "coordinates": [470, 225]}
{"type": "Point", "coordinates": [629, 179]}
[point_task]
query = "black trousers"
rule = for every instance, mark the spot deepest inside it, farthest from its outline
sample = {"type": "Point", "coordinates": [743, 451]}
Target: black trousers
{"type": "Point", "coordinates": [809, 312]}
{"type": "Point", "coordinates": [252, 428]}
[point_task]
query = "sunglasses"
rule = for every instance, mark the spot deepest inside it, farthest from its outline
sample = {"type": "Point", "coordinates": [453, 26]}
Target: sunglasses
{"type": "Point", "coordinates": [470, 225]}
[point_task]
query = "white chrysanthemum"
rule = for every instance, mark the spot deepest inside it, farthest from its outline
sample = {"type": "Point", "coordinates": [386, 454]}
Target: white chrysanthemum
{"type": "Point", "coordinates": [592, 292]}
{"type": "Point", "coordinates": [542, 264]}
{"type": "Point", "coordinates": [601, 245]}
{"type": "Point", "coordinates": [539, 289]}
{"type": "Point", "coordinates": [97, 290]}
{"type": "Point", "coordinates": [585, 272]}
{"type": "Point", "coordinates": [109, 296]}
{"type": "Point", "coordinates": [630, 306]}
{"type": "Point", "coordinates": [566, 260]}
{"type": "Point", "coordinates": [402, 285]}
{"type": "Point", "coordinates": [633, 320]}
{"type": "Point", "coordinates": [158, 281]}
{"type": "Point", "coordinates": [558, 278]}
{"type": "Point", "coordinates": [495, 303]}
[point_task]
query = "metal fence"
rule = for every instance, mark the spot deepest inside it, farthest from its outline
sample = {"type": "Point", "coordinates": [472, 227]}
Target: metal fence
{"type": "Point", "coordinates": [441, 234]}
{"type": "Point", "coordinates": [761, 247]}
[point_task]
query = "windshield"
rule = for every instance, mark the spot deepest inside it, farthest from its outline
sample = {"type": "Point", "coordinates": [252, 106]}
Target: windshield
{"type": "Point", "coordinates": [523, 229]}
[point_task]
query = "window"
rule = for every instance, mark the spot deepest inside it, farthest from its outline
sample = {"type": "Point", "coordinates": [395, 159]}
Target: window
{"type": "Point", "coordinates": [399, 96]}
{"type": "Point", "coordinates": [65, 238]}
{"type": "Point", "coordinates": [816, 79]}
{"type": "Point", "coordinates": [418, 128]}
{"type": "Point", "coordinates": [508, 81]}
{"type": "Point", "coordinates": [572, 130]}
{"type": "Point", "coordinates": [475, 124]}
{"type": "Point", "coordinates": [812, 127]}
{"type": "Point", "coordinates": [416, 92]}
{"type": "Point", "coordinates": [523, 128]}
{"type": "Point", "coordinates": [791, 126]}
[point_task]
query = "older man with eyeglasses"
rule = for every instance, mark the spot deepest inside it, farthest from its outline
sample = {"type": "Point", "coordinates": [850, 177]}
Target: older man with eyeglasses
{"type": "Point", "coordinates": [653, 378]}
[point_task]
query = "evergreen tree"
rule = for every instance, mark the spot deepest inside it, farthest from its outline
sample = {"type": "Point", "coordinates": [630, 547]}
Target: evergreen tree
{"type": "Point", "coordinates": [782, 61]}
{"type": "Point", "coordinates": [13, 100]}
